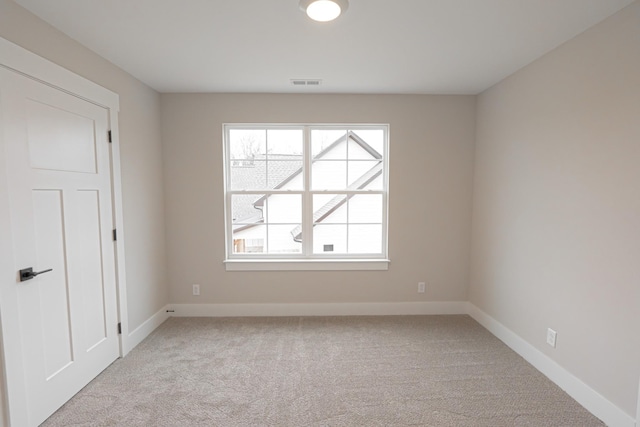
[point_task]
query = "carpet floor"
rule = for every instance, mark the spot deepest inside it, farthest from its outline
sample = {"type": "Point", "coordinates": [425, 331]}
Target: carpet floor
{"type": "Point", "coordinates": [322, 371]}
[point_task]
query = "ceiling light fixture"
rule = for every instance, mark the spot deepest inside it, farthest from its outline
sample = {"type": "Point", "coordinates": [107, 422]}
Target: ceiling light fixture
{"type": "Point", "coordinates": [324, 10]}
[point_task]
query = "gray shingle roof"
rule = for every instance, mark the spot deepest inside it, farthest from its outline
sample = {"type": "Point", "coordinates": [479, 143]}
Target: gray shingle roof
{"type": "Point", "coordinates": [253, 174]}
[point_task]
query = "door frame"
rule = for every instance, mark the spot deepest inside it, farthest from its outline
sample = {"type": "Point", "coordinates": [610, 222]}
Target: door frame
{"type": "Point", "coordinates": [28, 64]}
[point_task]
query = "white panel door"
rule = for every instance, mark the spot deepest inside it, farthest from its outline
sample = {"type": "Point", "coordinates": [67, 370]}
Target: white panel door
{"type": "Point", "coordinates": [58, 174]}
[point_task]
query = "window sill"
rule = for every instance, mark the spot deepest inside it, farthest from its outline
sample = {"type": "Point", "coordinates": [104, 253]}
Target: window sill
{"type": "Point", "coordinates": [306, 265]}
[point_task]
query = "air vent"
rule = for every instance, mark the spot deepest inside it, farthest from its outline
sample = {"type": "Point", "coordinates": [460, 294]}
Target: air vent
{"type": "Point", "coordinates": [306, 82]}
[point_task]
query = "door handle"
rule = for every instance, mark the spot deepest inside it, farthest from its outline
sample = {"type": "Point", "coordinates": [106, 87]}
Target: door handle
{"type": "Point", "coordinates": [28, 273]}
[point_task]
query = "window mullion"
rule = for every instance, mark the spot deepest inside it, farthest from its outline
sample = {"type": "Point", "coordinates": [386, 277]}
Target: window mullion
{"type": "Point", "coordinates": [228, 222]}
{"type": "Point", "coordinates": [267, 240]}
{"type": "Point", "coordinates": [227, 200]}
{"type": "Point", "coordinates": [307, 202]}
{"type": "Point", "coordinates": [347, 186]}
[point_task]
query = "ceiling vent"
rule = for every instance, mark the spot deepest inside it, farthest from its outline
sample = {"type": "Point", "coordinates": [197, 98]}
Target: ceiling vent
{"type": "Point", "coordinates": [306, 82]}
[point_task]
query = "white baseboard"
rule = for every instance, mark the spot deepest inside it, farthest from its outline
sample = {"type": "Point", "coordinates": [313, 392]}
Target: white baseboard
{"type": "Point", "coordinates": [595, 403]}
{"type": "Point", "coordinates": [322, 309]}
{"type": "Point", "coordinates": [136, 336]}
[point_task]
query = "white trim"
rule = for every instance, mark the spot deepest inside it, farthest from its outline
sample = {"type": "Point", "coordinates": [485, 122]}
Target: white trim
{"type": "Point", "coordinates": [147, 327]}
{"type": "Point", "coordinates": [28, 64]}
{"type": "Point", "coordinates": [15, 404]}
{"type": "Point", "coordinates": [320, 309]}
{"type": "Point", "coordinates": [306, 193]}
{"type": "Point", "coordinates": [593, 401]}
{"type": "Point", "coordinates": [306, 265]}
{"type": "Point", "coordinates": [118, 224]}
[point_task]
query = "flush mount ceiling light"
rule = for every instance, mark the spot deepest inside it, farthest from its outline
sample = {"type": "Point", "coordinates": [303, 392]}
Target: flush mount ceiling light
{"type": "Point", "coordinates": [324, 10]}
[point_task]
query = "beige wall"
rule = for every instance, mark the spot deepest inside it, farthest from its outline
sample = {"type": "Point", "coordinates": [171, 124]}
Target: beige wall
{"type": "Point", "coordinates": [141, 155]}
{"type": "Point", "coordinates": [556, 223]}
{"type": "Point", "coordinates": [431, 164]}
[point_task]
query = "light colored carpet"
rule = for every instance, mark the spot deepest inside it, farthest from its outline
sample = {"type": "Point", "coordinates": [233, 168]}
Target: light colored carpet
{"type": "Point", "coordinates": [322, 371]}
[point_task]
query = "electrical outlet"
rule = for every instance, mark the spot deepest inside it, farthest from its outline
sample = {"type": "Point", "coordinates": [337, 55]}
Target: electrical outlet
{"type": "Point", "coordinates": [196, 289]}
{"type": "Point", "coordinates": [421, 287]}
{"type": "Point", "coordinates": [551, 337]}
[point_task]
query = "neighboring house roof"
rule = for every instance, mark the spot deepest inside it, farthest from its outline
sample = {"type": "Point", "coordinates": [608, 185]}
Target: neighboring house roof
{"type": "Point", "coordinates": [251, 173]}
{"type": "Point", "coordinates": [332, 205]}
{"type": "Point", "coordinates": [251, 220]}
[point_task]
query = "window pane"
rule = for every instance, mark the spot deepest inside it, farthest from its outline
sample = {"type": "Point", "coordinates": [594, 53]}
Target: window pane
{"type": "Point", "coordinates": [377, 182]}
{"type": "Point", "coordinates": [284, 172]}
{"type": "Point", "coordinates": [358, 149]}
{"type": "Point", "coordinates": [329, 175]}
{"type": "Point", "coordinates": [283, 209]}
{"type": "Point", "coordinates": [365, 239]}
{"type": "Point", "coordinates": [365, 208]}
{"type": "Point", "coordinates": [272, 239]}
{"type": "Point", "coordinates": [249, 239]}
{"type": "Point", "coordinates": [284, 142]}
{"type": "Point", "coordinates": [247, 143]}
{"type": "Point", "coordinates": [329, 208]}
{"type": "Point", "coordinates": [328, 144]}
{"type": "Point", "coordinates": [374, 139]}
{"type": "Point", "coordinates": [248, 174]}
{"type": "Point", "coordinates": [266, 175]}
{"type": "Point", "coordinates": [284, 239]}
{"type": "Point", "coordinates": [328, 239]}
{"type": "Point", "coordinates": [362, 172]}
{"type": "Point", "coordinates": [284, 158]}
{"type": "Point", "coordinates": [246, 209]}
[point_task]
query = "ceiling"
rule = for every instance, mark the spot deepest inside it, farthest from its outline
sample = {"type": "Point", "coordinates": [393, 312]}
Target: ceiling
{"type": "Point", "coordinates": [377, 46]}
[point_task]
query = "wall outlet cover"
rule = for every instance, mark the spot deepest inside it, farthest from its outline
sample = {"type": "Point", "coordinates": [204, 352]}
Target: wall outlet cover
{"type": "Point", "coordinates": [551, 337]}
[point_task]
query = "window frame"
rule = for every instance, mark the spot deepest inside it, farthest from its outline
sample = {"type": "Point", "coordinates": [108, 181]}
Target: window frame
{"type": "Point", "coordinates": [306, 259]}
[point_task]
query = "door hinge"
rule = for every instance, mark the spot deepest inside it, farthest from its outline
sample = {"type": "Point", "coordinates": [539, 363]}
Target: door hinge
{"type": "Point", "coordinates": [115, 235]}
{"type": "Point", "coordinates": [109, 135]}
{"type": "Point", "coordinates": [119, 328]}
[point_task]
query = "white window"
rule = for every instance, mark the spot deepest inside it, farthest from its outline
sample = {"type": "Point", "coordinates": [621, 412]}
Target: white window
{"type": "Point", "coordinates": [306, 196]}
